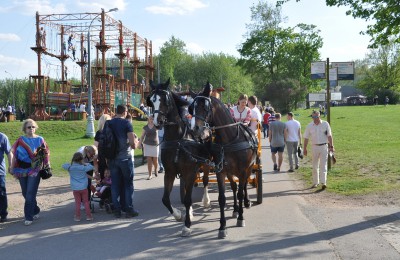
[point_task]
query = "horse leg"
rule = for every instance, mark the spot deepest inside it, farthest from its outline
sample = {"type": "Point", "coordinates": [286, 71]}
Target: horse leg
{"type": "Point", "coordinates": [206, 197]}
{"type": "Point", "coordinates": [222, 232]}
{"type": "Point", "coordinates": [168, 184]}
{"type": "Point", "coordinates": [240, 220]}
{"type": "Point", "coordinates": [247, 202]}
{"type": "Point", "coordinates": [235, 212]}
{"type": "Point", "coordinates": [186, 231]}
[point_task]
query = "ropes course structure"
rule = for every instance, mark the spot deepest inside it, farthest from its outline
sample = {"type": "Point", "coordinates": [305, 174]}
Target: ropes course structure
{"type": "Point", "coordinates": [63, 37]}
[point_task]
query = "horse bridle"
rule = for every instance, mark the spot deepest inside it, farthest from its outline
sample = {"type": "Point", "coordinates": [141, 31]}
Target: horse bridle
{"type": "Point", "coordinates": [154, 94]}
{"type": "Point", "coordinates": [208, 117]}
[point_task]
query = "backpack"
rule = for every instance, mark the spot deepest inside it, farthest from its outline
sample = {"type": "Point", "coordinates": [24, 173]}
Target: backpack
{"type": "Point", "coordinates": [108, 143]}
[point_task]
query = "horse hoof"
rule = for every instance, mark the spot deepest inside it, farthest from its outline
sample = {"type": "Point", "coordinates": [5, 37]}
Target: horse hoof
{"type": "Point", "coordinates": [240, 223]}
{"type": "Point", "coordinates": [248, 204]}
{"type": "Point", "coordinates": [222, 233]}
{"type": "Point", "coordinates": [186, 232]}
{"type": "Point", "coordinates": [235, 214]}
{"type": "Point", "coordinates": [207, 205]}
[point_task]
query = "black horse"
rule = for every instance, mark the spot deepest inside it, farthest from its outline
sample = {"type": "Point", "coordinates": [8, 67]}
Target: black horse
{"type": "Point", "coordinates": [181, 155]}
{"type": "Point", "coordinates": [234, 148]}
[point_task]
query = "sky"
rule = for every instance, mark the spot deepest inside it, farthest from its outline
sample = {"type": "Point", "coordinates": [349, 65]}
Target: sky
{"type": "Point", "coordinates": [216, 26]}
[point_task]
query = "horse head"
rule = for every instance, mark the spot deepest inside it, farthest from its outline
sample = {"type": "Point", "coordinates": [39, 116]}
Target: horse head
{"type": "Point", "coordinates": [159, 100]}
{"type": "Point", "coordinates": [201, 111]}
{"type": "Point", "coordinates": [165, 104]}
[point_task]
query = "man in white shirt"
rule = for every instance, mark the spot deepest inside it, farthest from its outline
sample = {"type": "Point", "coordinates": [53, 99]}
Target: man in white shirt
{"type": "Point", "coordinates": [293, 138]}
{"type": "Point", "coordinates": [320, 133]}
{"type": "Point", "coordinates": [255, 114]}
{"type": "Point", "coordinates": [82, 107]}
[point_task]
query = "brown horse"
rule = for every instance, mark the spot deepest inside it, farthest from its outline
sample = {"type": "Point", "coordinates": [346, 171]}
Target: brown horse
{"type": "Point", "coordinates": [181, 155]}
{"type": "Point", "coordinates": [234, 146]}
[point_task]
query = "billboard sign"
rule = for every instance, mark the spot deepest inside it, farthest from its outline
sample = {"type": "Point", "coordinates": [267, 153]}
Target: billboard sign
{"type": "Point", "coordinates": [345, 70]}
{"type": "Point", "coordinates": [318, 70]}
{"type": "Point", "coordinates": [333, 77]}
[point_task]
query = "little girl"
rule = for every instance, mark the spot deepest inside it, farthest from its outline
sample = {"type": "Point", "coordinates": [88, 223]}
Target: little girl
{"type": "Point", "coordinates": [79, 181]}
{"type": "Point", "coordinates": [104, 184]}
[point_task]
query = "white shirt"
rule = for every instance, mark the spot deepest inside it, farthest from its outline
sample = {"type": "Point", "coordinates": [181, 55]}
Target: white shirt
{"type": "Point", "coordinates": [318, 134]}
{"type": "Point", "coordinates": [293, 126]}
{"type": "Point", "coordinates": [255, 119]}
{"type": "Point", "coordinates": [82, 108]}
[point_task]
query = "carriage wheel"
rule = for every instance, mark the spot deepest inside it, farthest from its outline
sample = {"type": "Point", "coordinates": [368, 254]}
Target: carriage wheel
{"type": "Point", "coordinates": [182, 190]}
{"type": "Point", "coordinates": [259, 184]}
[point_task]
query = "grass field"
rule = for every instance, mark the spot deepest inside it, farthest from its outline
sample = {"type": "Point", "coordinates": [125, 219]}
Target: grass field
{"type": "Point", "coordinates": [63, 137]}
{"type": "Point", "coordinates": [366, 139]}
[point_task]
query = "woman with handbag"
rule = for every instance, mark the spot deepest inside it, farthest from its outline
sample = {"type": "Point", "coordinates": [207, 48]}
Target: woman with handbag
{"type": "Point", "coordinates": [31, 154]}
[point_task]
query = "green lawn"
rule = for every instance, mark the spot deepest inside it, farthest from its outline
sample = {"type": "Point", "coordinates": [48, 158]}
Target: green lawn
{"type": "Point", "coordinates": [366, 139]}
{"type": "Point", "coordinates": [63, 137]}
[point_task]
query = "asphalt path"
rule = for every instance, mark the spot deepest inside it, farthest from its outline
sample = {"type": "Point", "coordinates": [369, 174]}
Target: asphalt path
{"type": "Point", "coordinates": [284, 226]}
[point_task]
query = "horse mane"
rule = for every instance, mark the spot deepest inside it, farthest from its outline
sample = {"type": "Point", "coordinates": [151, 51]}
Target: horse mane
{"type": "Point", "coordinates": [217, 103]}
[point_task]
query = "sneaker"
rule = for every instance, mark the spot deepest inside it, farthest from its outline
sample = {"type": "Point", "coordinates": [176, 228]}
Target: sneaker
{"type": "Point", "coordinates": [28, 222]}
{"type": "Point", "coordinates": [275, 167]}
{"type": "Point", "coordinates": [132, 214]}
{"type": "Point", "coordinates": [89, 218]}
{"type": "Point", "coordinates": [3, 219]}
{"type": "Point", "coordinates": [35, 217]}
{"type": "Point", "coordinates": [296, 167]}
{"type": "Point", "coordinates": [161, 170]}
{"type": "Point", "coordinates": [290, 170]}
{"type": "Point", "coordinates": [324, 186]}
{"type": "Point", "coordinates": [77, 219]}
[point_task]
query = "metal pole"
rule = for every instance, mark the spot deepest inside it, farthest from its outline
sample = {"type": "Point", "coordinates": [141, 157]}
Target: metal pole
{"type": "Point", "coordinates": [13, 90]}
{"type": "Point", "coordinates": [90, 120]}
{"type": "Point", "coordinates": [328, 102]}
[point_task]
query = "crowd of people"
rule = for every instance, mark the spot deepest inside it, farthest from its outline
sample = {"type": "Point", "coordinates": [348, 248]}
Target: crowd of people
{"type": "Point", "coordinates": [114, 177]}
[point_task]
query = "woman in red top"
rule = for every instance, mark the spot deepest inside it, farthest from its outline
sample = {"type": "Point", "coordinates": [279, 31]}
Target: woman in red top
{"type": "Point", "coordinates": [265, 123]}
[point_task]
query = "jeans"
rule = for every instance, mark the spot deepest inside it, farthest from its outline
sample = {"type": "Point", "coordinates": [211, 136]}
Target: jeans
{"type": "Point", "coordinates": [122, 173]}
{"type": "Point", "coordinates": [292, 152]}
{"type": "Point", "coordinates": [3, 197]}
{"type": "Point", "coordinates": [265, 130]}
{"type": "Point", "coordinates": [29, 187]}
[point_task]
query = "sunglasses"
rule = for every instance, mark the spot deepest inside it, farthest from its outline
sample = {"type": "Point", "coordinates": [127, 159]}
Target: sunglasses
{"type": "Point", "coordinates": [315, 116]}
{"type": "Point", "coordinates": [31, 127]}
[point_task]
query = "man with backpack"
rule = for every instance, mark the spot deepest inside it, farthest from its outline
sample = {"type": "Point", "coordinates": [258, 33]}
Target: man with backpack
{"type": "Point", "coordinates": [121, 166]}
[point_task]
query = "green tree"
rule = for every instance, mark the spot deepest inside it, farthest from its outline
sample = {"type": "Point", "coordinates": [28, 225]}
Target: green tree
{"type": "Point", "coordinates": [275, 55]}
{"type": "Point", "coordinates": [379, 72]}
{"type": "Point", "coordinates": [171, 53]}
{"type": "Point", "coordinates": [384, 13]}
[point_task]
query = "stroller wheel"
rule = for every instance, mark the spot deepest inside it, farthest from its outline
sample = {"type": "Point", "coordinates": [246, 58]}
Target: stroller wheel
{"type": "Point", "coordinates": [108, 208]}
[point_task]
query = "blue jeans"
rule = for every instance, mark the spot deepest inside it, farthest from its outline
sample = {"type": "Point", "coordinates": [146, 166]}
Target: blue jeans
{"type": "Point", "coordinates": [3, 197]}
{"type": "Point", "coordinates": [29, 187]}
{"type": "Point", "coordinates": [122, 173]}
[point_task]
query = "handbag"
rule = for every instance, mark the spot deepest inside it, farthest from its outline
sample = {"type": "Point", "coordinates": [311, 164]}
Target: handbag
{"type": "Point", "coordinates": [300, 152]}
{"type": "Point", "coordinates": [45, 173]}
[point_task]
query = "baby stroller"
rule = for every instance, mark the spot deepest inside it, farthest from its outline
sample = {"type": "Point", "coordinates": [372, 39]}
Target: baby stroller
{"type": "Point", "coordinates": [104, 198]}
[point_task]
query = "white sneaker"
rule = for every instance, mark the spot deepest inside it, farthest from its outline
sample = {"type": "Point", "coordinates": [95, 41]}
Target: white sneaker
{"type": "Point", "coordinates": [28, 222]}
{"type": "Point", "coordinates": [36, 216]}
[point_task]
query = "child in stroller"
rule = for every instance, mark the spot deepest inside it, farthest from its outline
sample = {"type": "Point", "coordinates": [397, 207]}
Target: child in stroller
{"type": "Point", "coordinates": [103, 191]}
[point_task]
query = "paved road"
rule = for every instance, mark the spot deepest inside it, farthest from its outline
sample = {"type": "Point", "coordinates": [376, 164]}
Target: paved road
{"type": "Point", "coordinates": [284, 226]}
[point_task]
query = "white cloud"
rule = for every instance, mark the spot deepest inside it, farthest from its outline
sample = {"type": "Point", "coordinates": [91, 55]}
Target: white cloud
{"type": "Point", "coordinates": [9, 37]}
{"type": "Point", "coordinates": [29, 7]}
{"type": "Point", "coordinates": [176, 7]}
{"type": "Point", "coordinates": [194, 48]}
{"type": "Point", "coordinates": [95, 6]}
{"type": "Point", "coordinates": [18, 67]}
